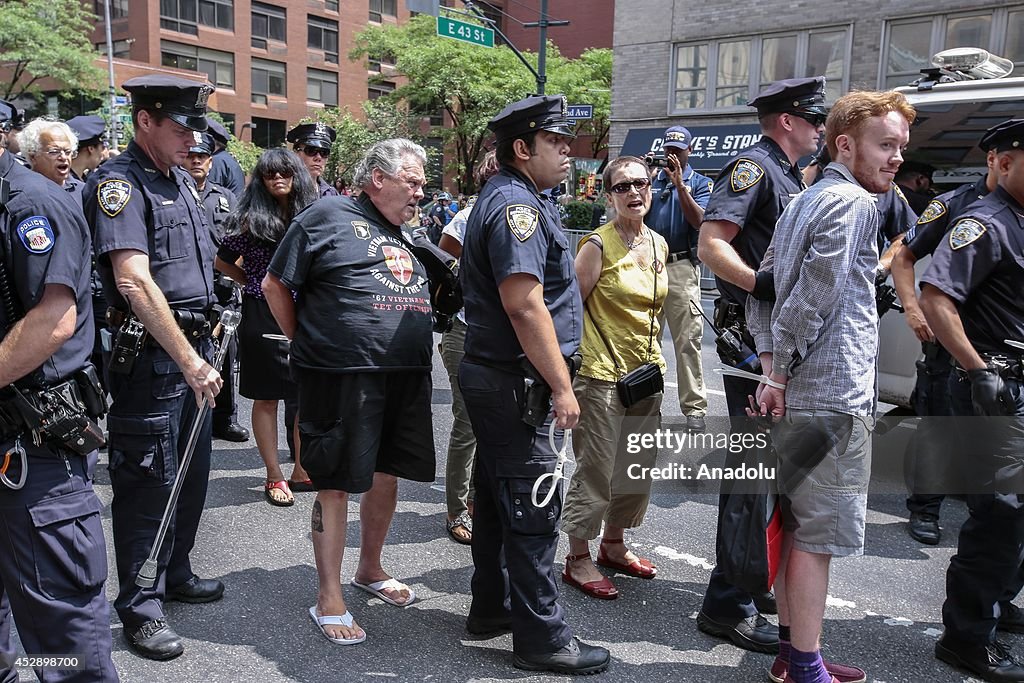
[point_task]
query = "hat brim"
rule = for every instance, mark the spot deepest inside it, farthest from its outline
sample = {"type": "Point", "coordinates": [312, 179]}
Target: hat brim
{"type": "Point", "coordinates": [319, 144]}
{"type": "Point", "coordinates": [677, 145]}
{"type": "Point", "coordinates": [565, 128]}
{"type": "Point", "coordinates": [200, 150]}
{"type": "Point", "coordinates": [196, 123]}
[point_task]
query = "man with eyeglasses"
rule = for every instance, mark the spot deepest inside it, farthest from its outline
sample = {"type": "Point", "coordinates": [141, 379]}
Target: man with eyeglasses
{"type": "Point", "coordinates": [679, 197]}
{"type": "Point", "coordinates": [739, 221]}
{"type": "Point", "coordinates": [312, 142]}
{"type": "Point", "coordinates": [51, 146]}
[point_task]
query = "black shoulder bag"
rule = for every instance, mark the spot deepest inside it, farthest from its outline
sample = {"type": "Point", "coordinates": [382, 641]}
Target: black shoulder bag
{"type": "Point", "coordinates": [646, 380]}
{"type": "Point", "coordinates": [443, 276]}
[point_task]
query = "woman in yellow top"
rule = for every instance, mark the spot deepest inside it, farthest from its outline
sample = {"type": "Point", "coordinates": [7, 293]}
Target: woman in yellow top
{"type": "Point", "coordinates": [621, 272]}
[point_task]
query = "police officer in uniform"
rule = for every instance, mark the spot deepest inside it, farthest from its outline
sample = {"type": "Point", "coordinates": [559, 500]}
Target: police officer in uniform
{"type": "Point", "coordinates": [738, 224]}
{"type": "Point", "coordinates": [312, 142]}
{"type": "Point", "coordinates": [970, 295]}
{"type": "Point", "coordinates": [219, 203]}
{"type": "Point", "coordinates": [91, 132]}
{"type": "Point", "coordinates": [225, 170]}
{"type": "Point", "coordinates": [679, 197]}
{"type": "Point", "coordinates": [56, 597]}
{"type": "Point", "coordinates": [155, 258]}
{"type": "Point", "coordinates": [525, 318]}
{"type": "Point", "coordinates": [931, 397]}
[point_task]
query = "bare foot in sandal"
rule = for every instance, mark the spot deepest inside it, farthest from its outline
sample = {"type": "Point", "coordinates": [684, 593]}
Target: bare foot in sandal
{"type": "Point", "coordinates": [278, 493]}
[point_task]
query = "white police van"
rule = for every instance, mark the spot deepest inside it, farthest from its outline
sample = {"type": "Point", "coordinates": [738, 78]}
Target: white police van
{"type": "Point", "coordinates": [951, 118]}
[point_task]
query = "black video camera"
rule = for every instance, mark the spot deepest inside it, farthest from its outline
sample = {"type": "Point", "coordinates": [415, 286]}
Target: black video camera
{"type": "Point", "coordinates": [656, 160]}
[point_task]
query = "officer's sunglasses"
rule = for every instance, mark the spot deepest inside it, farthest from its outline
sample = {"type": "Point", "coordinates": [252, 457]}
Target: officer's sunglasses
{"type": "Point", "coordinates": [640, 184]}
{"type": "Point", "coordinates": [316, 152]}
{"type": "Point", "coordinates": [813, 119]}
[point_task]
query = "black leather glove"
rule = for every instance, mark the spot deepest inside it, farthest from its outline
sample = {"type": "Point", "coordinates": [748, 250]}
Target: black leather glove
{"type": "Point", "coordinates": [764, 286]}
{"type": "Point", "coordinates": [988, 392]}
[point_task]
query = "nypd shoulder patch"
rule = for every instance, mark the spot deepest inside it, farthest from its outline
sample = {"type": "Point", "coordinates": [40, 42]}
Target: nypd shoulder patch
{"type": "Point", "coordinates": [934, 210]}
{"type": "Point", "coordinates": [36, 234]}
{"type": "Point", "coordinates": [965, 231]}
{"type": "Point", "coordinates": [745, 174]}
{"type": "Point", "coordinates": [113, 195]}
{"type": "Point", "coordinates": [522, 220]}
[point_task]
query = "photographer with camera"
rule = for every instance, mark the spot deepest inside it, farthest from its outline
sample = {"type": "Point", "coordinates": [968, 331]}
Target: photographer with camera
{"type": "Point", "coordinates": [679, 196]}
{"type": "Point", "coordinates": [49, 401]}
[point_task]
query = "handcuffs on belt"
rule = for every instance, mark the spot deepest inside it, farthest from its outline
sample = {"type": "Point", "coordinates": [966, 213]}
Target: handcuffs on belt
{"type": "Point", "coordinates": [556, 475]}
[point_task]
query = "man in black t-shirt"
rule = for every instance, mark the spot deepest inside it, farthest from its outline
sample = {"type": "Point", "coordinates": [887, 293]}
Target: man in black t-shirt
{"type": "Point", "coordinates": [361, 354]}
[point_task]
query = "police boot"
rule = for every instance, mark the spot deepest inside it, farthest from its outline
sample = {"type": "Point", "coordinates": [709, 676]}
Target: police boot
{"type": "Point", "coordinates": [575, 657]}
{"type": "Point", "coordinates": [155, 640]}
{"type": "Point", "coordinates": [196, 590]}
{"type": "Point", "coordinates": [992, 662]}
{"type": "Point", "coordinates": [924, 528]}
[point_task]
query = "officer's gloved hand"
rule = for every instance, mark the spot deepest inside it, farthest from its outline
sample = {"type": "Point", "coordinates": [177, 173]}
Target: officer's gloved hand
{"type": "Point", "coordinates": [764, 285]}
{"type": "Point", "coordinates": [988, 392]}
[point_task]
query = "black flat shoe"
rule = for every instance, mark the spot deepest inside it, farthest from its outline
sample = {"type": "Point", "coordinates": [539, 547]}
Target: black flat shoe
{"type": "Point", "coordinates": [575, 658]}
{"type": "Point", "coordinates": [231, 432]}
{"type": "Point", "coordinates": [155, 640]}
{"type": "Point", "coordinates": [753, 633]}
{"type": "Point", "coordinates": [991, 662]}
{"type": "Point", "coordinates": [196, 590]}
{"type": "Point", "coordinates": [924, 528]}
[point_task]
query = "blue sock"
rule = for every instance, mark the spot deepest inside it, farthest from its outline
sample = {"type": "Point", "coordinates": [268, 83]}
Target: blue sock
{"type": "Point", "coordinates": [807, 667]}
{"type": "Point", "coordinates": [784, 645]}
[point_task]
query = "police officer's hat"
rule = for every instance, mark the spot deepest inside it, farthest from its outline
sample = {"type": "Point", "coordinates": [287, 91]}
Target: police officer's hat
{"type": "Point", "coordinates": [317, 134]}
{"type": "Point", "coordinates": [182, 100]}
{"type": "Point", "coordinates": [537, 112]}
{"type": "Point", "coordinates": [217, 130]}
{"type": "Point", "coordinates": [806, 95]}
{"type": "Point", "coordinates": [1004, 137]}
{"type": "Point", "coordinates": [90, 130]}
{"type": "Point", "coordinates": [204, 143]}
{"type": "Point", "coordinates": [678, 137]}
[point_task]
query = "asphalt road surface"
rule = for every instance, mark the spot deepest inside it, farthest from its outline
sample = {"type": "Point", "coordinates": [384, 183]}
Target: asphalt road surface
{"type": "Point", "coordinates": [883, 614]}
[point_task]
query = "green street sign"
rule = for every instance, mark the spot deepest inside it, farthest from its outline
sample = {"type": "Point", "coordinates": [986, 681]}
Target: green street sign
{"type": "Point", "coordinates": [466, 32]}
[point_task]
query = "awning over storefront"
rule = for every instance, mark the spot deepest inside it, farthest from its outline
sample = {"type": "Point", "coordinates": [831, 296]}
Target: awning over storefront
{"type": "Point", "coordinates": [711, 149]}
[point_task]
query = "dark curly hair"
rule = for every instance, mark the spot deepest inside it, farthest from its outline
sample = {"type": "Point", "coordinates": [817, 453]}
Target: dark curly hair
{"type": "Point", "coordinates": [258, 212]}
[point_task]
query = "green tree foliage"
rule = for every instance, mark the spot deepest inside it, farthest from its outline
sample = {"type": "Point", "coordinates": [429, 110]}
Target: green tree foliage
{"type": "Point", "coordinates": [46, 39]}
{"type": "Point", "coordinates": [588, 80]}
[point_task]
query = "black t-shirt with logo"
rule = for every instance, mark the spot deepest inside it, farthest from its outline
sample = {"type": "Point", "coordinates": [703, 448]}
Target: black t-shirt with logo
{"type": "Point", "coordinates": [363, 303]}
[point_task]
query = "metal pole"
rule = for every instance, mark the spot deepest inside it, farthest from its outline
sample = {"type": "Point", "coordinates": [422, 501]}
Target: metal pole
{"type": "Point", "coordinates": [110, 70]}
{"type": "Point", "coordinates": [542, 53]}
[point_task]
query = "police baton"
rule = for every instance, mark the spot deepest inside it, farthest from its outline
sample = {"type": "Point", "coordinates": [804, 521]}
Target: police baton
{"type": "Point", "coordinates": [147, 575]}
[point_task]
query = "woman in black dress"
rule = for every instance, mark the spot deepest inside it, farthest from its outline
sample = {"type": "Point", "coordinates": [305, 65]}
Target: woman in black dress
{"type": "Point", "coordinates": [279, 189]}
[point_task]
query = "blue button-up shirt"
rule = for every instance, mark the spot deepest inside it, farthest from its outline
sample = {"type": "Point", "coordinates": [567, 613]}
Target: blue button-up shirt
{"type": "Point", "coordinates": [666, 216]}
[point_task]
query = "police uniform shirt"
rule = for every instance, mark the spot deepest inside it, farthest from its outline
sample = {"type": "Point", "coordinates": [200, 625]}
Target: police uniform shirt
{"type": "Point", "coordinates": [226, 172]}
{"type": "Point", "coordinates": [74, 187]}
{"type": "Point", "coordinates": [439, 211]}
{"type": "Point", "coordinates": [325, 189]}
{"type": "Point", "coordinates": [666, 216]}
{"type": "Point", "coordinates": [896, 215]}
{"type": "Point", "coordinates": [931, 227]}
{"type": "Point", "coordinates": [130, 204]}
{"type": "Point", "coordinates": [751, 192]}
{"type": "Point", "coordinates": [980, 265]}
{"type": "Point", "coordinates": [45, 241]}
{"type": "Point", "coordinates": [219, 202]}
{"type": "Point", "coordinates": [515, 229]}
{"type": "Point", "coordinates": [363, 303]}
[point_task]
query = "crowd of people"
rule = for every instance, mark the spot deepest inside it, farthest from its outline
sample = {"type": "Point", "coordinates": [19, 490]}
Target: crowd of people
{"type": "Point", "coordinates": [121, 268]}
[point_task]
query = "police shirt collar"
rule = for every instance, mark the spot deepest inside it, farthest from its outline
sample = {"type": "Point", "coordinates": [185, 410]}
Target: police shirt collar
{"type": "Point", "coordinates": [144, 161]}
{"type": "Point", "coordinates": [513, 171]}
{"type": "Point", "coordinates": [779, 154]}
{"type": "Point", "coordinates": [1001, 193]}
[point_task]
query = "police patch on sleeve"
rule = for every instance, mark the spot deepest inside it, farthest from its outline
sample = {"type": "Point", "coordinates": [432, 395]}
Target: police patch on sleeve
{"type": "Point", "coordinates": [965, 231]}
{"type": "Point", "coordinates": [522, 220]}
{"type": "Point", "coordinates": [113, 195]}
{"type": "Point", "coordinates": [36, 234]}
{"type": "Point", "coordinates": [745, 174]}
{"type": "Point", "coordinates": [935, 209]}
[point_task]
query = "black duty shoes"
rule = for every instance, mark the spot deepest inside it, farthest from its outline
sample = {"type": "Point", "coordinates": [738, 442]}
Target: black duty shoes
{"type": "Point", "coordinates": [991, 662]}
{"type": "Point", "coordinates": [231, 432]}
{"type": "Point", "coordinates": [754, 633]}
{"type": "Point", "coordinates": [575, 658]}
{"type": "Point", "coordinates": [196, 590]}
{"type": "Point", "coordinates": [924, 528]}
{"type": "Point", "coordinates": [155, 640]}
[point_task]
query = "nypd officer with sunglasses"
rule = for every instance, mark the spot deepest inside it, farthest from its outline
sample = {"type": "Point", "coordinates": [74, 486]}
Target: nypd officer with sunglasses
{"type": "Point", "coordinates": [312, 142]}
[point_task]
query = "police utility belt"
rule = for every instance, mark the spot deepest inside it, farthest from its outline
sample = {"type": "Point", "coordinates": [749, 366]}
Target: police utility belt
{"type": "Point", "coordinates": [1007, 367]}
{"type": "Point", "coordinates": [130, 335]}
{"type": "Point", "coordinates": [64, 414]}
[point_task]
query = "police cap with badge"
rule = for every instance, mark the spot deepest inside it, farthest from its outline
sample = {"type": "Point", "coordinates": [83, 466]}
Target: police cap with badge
{"type": "Point", "coordinates": [317, 134]}
{"type": "Point", "coordinates": [204, 144]}
{"type": "Point", "coordinates": [90, 130]}
{"type": "Point", "coordinates": [181, 100]}
{"type": "Point", "coordinates": [537, 112]}
{"type": "Point", "coordinates": [794, 96]}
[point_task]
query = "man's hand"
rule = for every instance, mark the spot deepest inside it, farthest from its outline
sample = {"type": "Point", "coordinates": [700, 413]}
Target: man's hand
{"type": "Point", "coordinates": [204, 380]}
{"type": "Point", "coordinates": [675, 173]}
{"type": "Point", "coordinates": [567, 410]}
{"type": "Point", "coordinates": [988, 393]}
{"type": "Point", "coordinates": [916, 321]}
{"type": "Point", "coordinates": [772, 401]}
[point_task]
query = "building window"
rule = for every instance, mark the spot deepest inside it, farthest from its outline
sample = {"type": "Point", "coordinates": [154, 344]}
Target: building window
{"type": "Point", "coordinates": [331, 5]}
{"type": "Point", "coordinates": [218, 66]}
{"type": "Point", "coordinates": [183, 15]}
{"type": "Point", "coordinates": [910, 43]}
{"type": "Point", "coordinates": [267, 133]}
{"type": "Point", "coordinates": [268, 23]}
{"type": "Point", "coordinates": [727, 73]}
{"type": "Point", "coordinates": [118, 8]}
{"type": "Point", "coordinates": [122, 48]}
{"type": "Point", "coordinates": [323, 35]}
{"type": "Point", "coordinates": [322, 86]}
{"type": "Point", "coordinates": [378, 8]}
{"type": "Point", "coordinates": [268, 78]}
{"type": "Point", "coordinates": [376, 64]}
{"type": "Point", "coordinates": [377, 90]}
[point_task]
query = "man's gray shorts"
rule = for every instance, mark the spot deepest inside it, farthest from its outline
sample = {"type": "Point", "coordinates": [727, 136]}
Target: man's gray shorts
{"type": "Point", "coordinates": [824, 468]}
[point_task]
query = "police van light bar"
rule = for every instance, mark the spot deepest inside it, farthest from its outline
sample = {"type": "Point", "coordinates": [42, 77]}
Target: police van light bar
{"type": "Point", "coordinates": [973, 63]}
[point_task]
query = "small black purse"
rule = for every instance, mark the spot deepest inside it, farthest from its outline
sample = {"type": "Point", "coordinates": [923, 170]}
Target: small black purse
{"type": "Point", "coordinates": [646, 380]}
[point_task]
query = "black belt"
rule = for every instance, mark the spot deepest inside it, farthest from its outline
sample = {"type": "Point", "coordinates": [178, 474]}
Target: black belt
{"type": "Point", "coordinates": [194, 324]}
{"type": "Point", "coordinates": [678, 256]}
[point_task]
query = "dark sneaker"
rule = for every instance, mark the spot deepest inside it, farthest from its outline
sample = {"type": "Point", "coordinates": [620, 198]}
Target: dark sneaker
{"type": "Point", "coordinates": [575, 658]}
{"type": "Point", "coordinates": [992, 662]}
{"type": "Point", "coordinates": [753, 633]}
{"type": "Point", "coordinates": [924, 528]}
{"type": "Point", "coordinates": [196, 590]}
{"type": "Point", "coordinates": [1011, 618]}
{"type": "Point", "coordinates": [155, 640]}
{"type": "Point", "coordinates": [482, 626]}
{"type": "Point", "coordinates": [839, 672]}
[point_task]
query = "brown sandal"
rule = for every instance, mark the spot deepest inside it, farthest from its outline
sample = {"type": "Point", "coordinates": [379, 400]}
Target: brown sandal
{"type": "Point", "coordinates": [282, 486]}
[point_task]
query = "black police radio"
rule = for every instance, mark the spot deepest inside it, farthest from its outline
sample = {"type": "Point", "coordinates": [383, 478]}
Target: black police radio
{"type": "Point", "coordinates": [730, 346]}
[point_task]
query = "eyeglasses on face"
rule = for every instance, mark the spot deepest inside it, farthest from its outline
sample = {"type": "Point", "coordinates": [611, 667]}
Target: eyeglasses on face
{"type": "Point", "coordinates": [640, 184]}
{"type": "Point", "coordinates": [316, 152]}
{"type": "Point", "coordinates": [277, 174]}
{"type": "Point", "coordinates": [58, 152]}
{"type": "Point", "coordinates": [813, 119]}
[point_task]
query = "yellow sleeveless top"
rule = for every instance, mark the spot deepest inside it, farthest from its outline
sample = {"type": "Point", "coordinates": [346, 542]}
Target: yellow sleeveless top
{"type": "Point", "coordinates": [621, 304]}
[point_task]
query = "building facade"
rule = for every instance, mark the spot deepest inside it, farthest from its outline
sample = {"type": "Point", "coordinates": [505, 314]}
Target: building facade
{"type": "Point", "coordinates": [675, 65]}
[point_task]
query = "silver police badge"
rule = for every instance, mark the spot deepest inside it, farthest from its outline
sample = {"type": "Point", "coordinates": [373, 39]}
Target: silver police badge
{"type": "Point", "coordinates": [935, 209]}
{"type": "Point", "coordinates": [965, 231]}
{"type": "Point", "coordinates": [522, 220]}
{"type": "Point", "coordinates": [320, 128]}
{"type": "Point", "coordinates": [113, 195]}
{"type": "Point", "coordinates": [745, 174]}
{"type": "Point", "coordinates": [205, 90]}
{"type": "Point", "coordinates": [222, 205]}
{"type": "Point", "coordinates": [361, 229]}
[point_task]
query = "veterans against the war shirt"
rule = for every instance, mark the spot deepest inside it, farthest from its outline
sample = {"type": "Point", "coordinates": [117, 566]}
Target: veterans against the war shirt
{"type": "Point", "coordinates": [363, 302]}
